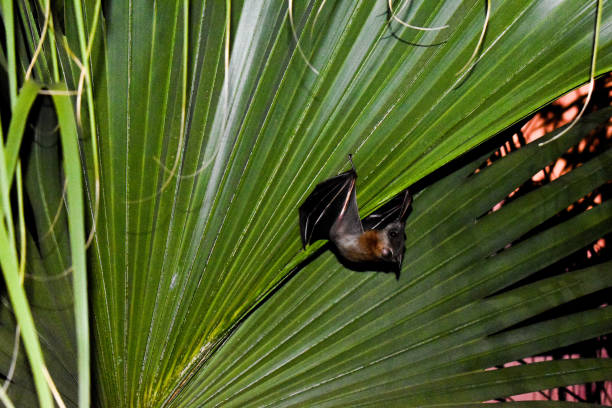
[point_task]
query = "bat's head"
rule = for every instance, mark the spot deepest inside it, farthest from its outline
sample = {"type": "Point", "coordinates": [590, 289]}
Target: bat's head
{"type": "Point", "coordinates": [393, 239]}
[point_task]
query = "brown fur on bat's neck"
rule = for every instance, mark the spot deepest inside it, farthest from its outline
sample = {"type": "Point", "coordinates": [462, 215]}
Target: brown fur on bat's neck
{"type": "Point", "coordinates": [367, 253]}
{"type": "Point", "coordinates": [370, 246]}
{"type": "Point", "coordinates": [366, 247]}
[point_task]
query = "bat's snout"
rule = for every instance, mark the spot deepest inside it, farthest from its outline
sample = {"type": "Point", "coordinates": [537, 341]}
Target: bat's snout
{"type": "Point", "coordinates": [387, 254]}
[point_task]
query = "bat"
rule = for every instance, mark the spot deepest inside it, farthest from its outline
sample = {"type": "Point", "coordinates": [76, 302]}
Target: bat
{"type": "Point", "coordinates": [330, 212]}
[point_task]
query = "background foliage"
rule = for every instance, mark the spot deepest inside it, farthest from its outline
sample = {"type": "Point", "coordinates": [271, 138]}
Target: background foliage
{"type": "Point", "coordinates": [196, 282]}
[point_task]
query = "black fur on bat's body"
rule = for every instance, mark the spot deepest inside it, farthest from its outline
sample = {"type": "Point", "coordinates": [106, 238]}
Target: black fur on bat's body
{"type": "Point", "coordinates": [376, 243]}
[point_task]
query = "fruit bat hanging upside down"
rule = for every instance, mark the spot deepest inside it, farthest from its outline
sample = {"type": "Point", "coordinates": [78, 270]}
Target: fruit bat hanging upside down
{"type": "Point", "coordinates": [330, 212]}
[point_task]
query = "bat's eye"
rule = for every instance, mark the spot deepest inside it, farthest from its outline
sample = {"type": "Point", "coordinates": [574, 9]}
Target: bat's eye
{"type": "Point", "coordinates": [393, 234]}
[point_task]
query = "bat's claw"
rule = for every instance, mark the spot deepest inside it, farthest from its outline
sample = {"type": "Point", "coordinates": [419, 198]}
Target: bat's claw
{"type": "Point", "coordinates": [350, 157]}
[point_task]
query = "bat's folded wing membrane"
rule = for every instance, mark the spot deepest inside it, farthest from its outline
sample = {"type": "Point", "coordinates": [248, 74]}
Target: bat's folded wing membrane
{"type": "Point", "coordinates": [323, 206]}
{"type": "Point", "coordinates": [394, 210]}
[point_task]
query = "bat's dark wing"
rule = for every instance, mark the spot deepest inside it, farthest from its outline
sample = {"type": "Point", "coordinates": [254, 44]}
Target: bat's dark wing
{"type": "Point", "coordinates": [330, 200]}
{"type": "Point", "coordinates": [395, 210]}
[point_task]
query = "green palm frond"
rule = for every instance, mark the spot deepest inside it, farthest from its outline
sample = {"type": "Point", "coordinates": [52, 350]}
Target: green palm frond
{"type": "Point", "coordinates": [335, 337]}
{"type": "Point", "coordinates": [193, 290]}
